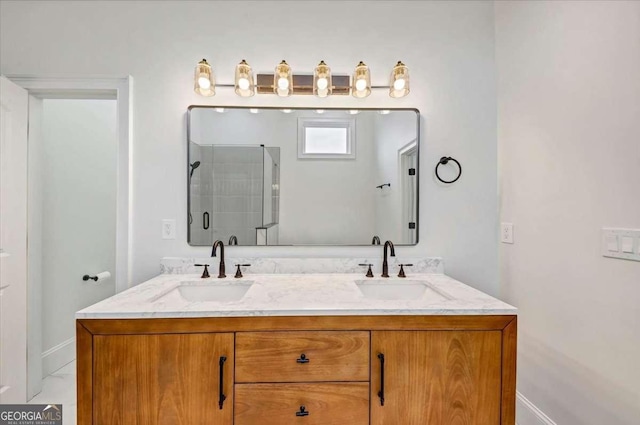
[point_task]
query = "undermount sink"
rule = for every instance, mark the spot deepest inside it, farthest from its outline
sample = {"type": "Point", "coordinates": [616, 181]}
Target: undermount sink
{"type": "Point", "coordinates": [213, 291]}
{"type": "Point", "coordinates": [396, 290]}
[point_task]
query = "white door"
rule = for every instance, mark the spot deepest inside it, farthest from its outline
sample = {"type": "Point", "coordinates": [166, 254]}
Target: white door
{"type": "Point", "coordinates": [13, 242]}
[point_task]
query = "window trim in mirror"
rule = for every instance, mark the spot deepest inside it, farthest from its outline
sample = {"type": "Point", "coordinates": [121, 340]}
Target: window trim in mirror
{"type": "Point", "coordinates": [312, 122]}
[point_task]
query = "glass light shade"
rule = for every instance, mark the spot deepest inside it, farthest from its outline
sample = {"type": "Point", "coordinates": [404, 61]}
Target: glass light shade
{"type": "Point", "coordinates": [399, 81]}
{"type": "Point", "coordinates": [244, 80]}
{"type": "Point", "coordinates": [361, 81]}
{"type": "Point", "coordinates": [322, 86]}
{"type": "Point", "coordinates": [204, 80]}
{"type": "Point", "coordinates": [283, 80]}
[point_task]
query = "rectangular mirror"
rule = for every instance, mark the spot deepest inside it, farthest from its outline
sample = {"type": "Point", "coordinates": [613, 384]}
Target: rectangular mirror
{"type": "Point", "coordinates": [268, 176]}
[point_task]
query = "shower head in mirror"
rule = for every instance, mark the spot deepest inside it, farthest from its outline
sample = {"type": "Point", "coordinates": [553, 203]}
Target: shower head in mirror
{"type": "Point", "coordinates": [193, 167]}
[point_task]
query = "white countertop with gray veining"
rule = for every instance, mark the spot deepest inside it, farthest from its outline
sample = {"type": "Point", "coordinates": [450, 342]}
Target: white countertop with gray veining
{"type": "Point", "coordinates": [305, 294]}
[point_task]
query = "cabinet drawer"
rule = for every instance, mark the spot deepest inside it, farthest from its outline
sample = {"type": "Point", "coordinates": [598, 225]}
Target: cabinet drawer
{"type": "Point", "coordinates": [324, 403]}
{"type": "Point", "coordinates": [302, 356]}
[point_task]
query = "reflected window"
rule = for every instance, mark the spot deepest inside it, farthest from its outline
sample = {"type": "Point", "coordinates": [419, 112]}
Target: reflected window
{"type": "Point", "coordinates": [326, 138]}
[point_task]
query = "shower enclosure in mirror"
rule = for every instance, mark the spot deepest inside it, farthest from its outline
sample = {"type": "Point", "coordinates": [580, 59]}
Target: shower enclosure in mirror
{"type": "Point", "coordinates": [267, 176]}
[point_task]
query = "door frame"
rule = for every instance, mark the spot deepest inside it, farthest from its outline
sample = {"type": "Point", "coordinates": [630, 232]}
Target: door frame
{"type": "Point", "coordinates": [101, 87]}
{"type": "Point", "coordinates": [408, 213]}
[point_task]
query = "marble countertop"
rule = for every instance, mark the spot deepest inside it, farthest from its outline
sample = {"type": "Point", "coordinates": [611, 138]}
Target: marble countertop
{"type": "Point", "coordinates": [306, 294]}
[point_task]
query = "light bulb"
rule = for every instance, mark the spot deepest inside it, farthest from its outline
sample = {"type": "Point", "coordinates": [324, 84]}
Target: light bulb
{"type": "Point", "coordinates": [253, 110]}
{"type": "Point", "coordinates": [286, 111]}
{"type": "Point", "coordinates": [283, 83]}
{"type": "Point", "coordinates": [399, 84]}
{"type": "Point", "coordinates": [399, 81]}
{"type": "Point", "coordinates": [385, 112]}
{"type": "Point", "coordinates": [361, 84]}
{"type": "Point", "coordinates": [243, 83]}
{"type": "Point", "coordinates": [204, 83]}
{"type": "Point", "coordinates": [320, 111]}
{"type": "Point", "coordinates": [322, 83]}
{"type": "Point", "coordinates": [220, 110]}
{"type": "Point", "coordinates": [353, 112]}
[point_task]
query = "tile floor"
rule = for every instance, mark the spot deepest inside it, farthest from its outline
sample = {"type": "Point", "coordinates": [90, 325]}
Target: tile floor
{"type": "Point", "coordinates": [60, 388]}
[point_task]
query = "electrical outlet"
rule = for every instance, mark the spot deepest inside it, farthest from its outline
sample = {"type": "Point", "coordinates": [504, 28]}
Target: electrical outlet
{"type": "Point", "coordinates": [168, 229]}
{"type": "Point", "coordinates": [506, 232]}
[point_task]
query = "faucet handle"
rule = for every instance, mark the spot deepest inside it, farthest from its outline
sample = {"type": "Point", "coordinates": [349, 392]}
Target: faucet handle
{"type": "Point", "coordinates": [369, 271]}
{"type": "Point", "coordinates": [238, 271]}
{"type": "Point", "coordinates": [402, 266]}
{"type": "Point", "coordinates": [205, 272]}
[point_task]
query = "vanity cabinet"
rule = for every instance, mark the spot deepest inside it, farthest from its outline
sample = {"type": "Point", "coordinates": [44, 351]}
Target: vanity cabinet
{"type": "Point", "coordinates": [317, 356]}
{"type": "Point", "coordinates": [436, 377]}
{"type": "Point", "coordinates": [304, 403]}
{"type": "Point", "coordinates": [163, 379]}
{"type": "Point", "coordinates": [437, 370]}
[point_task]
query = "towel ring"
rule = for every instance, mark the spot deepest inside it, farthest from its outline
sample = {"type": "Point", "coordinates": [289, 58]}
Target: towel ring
{"type": "Point", "coordinates": [444, 161]}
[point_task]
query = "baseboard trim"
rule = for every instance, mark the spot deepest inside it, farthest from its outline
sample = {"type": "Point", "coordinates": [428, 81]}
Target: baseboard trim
{"type": "Point", "coordinates": [56, 357]}
{"type": "Point", "coordinates": [529, 414]}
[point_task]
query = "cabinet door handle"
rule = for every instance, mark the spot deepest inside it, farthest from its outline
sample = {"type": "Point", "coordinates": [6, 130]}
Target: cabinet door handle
{"type": "Point", "coordinates": [302, 411]}
{"type": "Point", "coordinates": [381, 392]}
{"type": "Point", "coordinates": [303, 359]}
{"type": "Point", "coordinates": [221, 389]}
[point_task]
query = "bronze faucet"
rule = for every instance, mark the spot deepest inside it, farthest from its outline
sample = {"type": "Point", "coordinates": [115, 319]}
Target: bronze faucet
{"type": "Point", "coordinates": [233, 240]}
{"type": "Point", "coordinates": [221, 270]}
{"type": "Point", "coordinates": [385, 264]}
{"type": "Point", "coordinates": [375, 240]}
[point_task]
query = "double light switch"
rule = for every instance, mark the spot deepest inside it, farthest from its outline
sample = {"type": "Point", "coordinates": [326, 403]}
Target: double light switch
{"type": "Point", "coordinates": [621, 243]}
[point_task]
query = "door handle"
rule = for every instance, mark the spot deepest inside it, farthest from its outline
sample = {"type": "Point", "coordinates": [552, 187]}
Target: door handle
{"type": "Point", "coordinates": [381, 392]}
{"type": "Point", "coordinates": [303, 359]}
{"type": "Point", "coordinates": [221, 388]}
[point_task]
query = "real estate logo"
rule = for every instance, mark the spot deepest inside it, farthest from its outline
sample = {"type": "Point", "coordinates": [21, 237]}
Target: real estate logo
{"type": "Point", "coordinates": [30, 414]}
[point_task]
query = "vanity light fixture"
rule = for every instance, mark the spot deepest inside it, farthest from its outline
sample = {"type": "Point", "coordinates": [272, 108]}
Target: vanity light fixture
{"type": "Point", "coordinates": [283, 80]}
{"type": "Point", "coordinates": [399, 81]}
{"type": "Point", "coordinates": [244, 83]}
{"type": "Point", "coordinates": [322, 84]}
{"type": "Point", "coordinates": [204, 80]}
{"type": "Point", "coordinates": [361, 81]}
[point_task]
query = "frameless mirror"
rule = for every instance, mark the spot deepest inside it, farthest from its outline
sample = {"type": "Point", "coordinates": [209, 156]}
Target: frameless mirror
{"type": "Point", "coordinates": [267, 176]}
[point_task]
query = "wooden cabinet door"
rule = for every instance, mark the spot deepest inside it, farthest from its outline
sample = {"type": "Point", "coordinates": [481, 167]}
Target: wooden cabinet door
{"type": "Point", "coordinates": [436, 377]}
{"type": "Point", "coordinates": [165, 379]}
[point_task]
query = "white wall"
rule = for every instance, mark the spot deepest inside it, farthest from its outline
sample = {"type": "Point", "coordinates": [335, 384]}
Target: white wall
{"type": "Point", "coordinates": [447, 45]}
{"type": "Point", "coordinates": [78, 207]}
{"type": "Point", "coordinates": [569, 142]}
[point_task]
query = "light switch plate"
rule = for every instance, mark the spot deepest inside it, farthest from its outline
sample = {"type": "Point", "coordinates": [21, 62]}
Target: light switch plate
{"type": "Point", "coordinates": [506, 232]}
{"type": "Point", "coordinates": [168, 229]}
{"type": "Point", "coordinates": [621, 243]}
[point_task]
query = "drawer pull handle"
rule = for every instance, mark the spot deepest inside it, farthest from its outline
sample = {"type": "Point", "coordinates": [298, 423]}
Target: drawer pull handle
{"type": "Point", "coordinates": [221, 388]}
{"type": "Point", "coordinates": [303, 359]}
{"type": "Point", "coordinates": [381, 392]}
{"type": "Point", "coordinates": [302, 411]}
